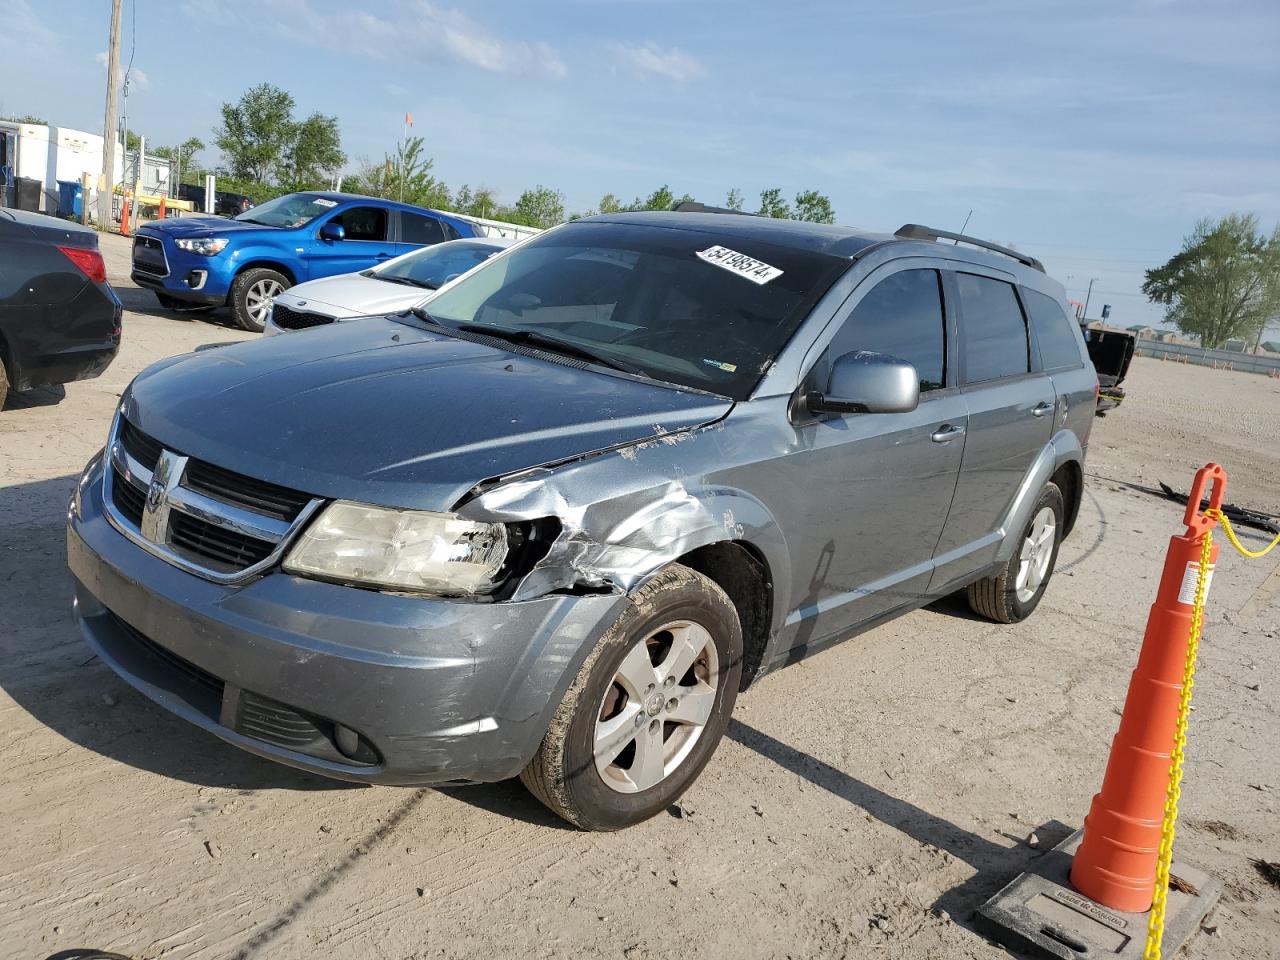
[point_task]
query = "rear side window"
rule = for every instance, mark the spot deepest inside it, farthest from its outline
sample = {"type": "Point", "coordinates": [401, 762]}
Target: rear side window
{"type": "Point", "coordinates": [902, 317]}
{"type": "Point", "coordinates": [363, 223]}
{"type": "Point", "coordinates": [422, 230]}
{"type": "Point", "coordinates": [1057, 337]}
{"type": "Point", "coordinates": [994, 333]}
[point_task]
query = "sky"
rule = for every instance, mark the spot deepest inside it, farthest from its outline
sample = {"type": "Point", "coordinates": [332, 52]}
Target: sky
{"type": "Point", "coordinates": [1091, 134]}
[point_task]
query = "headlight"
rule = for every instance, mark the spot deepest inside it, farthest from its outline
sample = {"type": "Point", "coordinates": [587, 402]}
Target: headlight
{"type": "Point", "coordinates": [401, 550]}
{"type": "Point", "coordinates": [205, 246]}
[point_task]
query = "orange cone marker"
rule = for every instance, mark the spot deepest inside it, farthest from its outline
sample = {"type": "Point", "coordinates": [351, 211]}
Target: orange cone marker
{"type": "Point", "coordinates": [1116, 862]}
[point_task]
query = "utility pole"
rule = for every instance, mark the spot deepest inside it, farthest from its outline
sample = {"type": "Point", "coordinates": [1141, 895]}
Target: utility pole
{"type": "Point", "coordinates": [107, 185]}
{"type": "Point", "coordinates": [1092, 281]}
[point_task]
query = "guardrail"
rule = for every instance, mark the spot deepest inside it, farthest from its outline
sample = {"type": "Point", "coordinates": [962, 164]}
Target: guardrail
{"type": "Point", "coordinates": [1266, 364]}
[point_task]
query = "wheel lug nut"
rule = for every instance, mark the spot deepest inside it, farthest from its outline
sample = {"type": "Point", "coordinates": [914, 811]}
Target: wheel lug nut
{"type": "Point", "coordinates": [671, 704]}
{"type": "Point", "coordinates": [640, 721]}
{"type": "Point", "coordinates": [655, 726]}
{"type": "Point", "coordinates": [669, 682]}
{"type": "Point", "coordinates": [650, 688]}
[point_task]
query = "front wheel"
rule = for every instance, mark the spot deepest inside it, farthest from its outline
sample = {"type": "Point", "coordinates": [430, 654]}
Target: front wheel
{"type": "Point", "coordinates": [646, 710]}
{"type": "Point", "coordinates": [252, 295]}
{"type": "Point", "coordinates": [1015, 592]}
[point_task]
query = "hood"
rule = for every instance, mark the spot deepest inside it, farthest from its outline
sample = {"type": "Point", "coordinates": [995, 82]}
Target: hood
{"type": "Point", "coordinates": [351, 295]}
{"type": "Point", "coordinates": [382, 412]}
{"type": "Point", "coordinates": [203, 227]}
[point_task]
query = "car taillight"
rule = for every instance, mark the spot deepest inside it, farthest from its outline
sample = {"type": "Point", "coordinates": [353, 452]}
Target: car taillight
{"type": "Point", "coordinates": [88, 261]}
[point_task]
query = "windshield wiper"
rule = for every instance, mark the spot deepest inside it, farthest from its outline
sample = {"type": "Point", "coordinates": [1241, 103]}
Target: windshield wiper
{"type": "Point", "coordinates": [555, 344]}
{"type": "Point", "coordinates": [406, 281]}
{"type": "Point", "coordinates": [261, 223]}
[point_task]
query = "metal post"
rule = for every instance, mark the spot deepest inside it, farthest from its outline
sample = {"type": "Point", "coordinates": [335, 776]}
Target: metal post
{"type": "Point", "coordinates": [85, 179]}
{"type": "Point", "coordinates": [107, 185]}
{"type": "Point", "coordinates": [1092, 281]}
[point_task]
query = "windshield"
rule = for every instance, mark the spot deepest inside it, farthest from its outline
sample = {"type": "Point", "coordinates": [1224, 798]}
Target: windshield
{"type": "Point", "coordinates": [291, 210]}
{"type": "Point", "coordinates": [435, 266]}
{"type": "Point", "coordinates": [684, 306]}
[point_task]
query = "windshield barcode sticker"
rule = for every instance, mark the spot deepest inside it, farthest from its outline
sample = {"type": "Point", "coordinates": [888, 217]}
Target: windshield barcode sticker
{"type": "Point", "coordinates": [322, 202]}
{"type": "Point", "coordinates": [754, 270]}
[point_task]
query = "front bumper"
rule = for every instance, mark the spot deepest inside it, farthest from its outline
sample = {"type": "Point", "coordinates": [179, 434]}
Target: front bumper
{"type": "Point", "coordinates": [436, 691]}
{"type": "Point", "coordinates": [196, 279]}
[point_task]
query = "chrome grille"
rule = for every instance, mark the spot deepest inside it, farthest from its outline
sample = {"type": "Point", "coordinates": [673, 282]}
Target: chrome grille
{"type": "Point", "coordinates": [203, 518]}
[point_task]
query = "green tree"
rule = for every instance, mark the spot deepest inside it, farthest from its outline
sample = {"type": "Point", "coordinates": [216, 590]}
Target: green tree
{"type": "Point", "coordinates": [463, 198]}
{"type": "Point", "coordinates": [1223, 283]}
{"type": "Point", "coordinates": [540, 207]}
{"type": "Point", "coordinates": [772, 204]}
{"type": "Point", "coordinates": [28, 118]}
{"type": "Point", "coordinates": [733, 199]}
{"type": "Point", "coordinates": [257, 133]}
{"type": "Point", "coordinates": [814, 207]}
{"type": "Point", "coordinates": [660, 199]}
{"type": "Point", "coordinates": [610, 204]}
{"type": "Point", "coordinates": [313, 154]}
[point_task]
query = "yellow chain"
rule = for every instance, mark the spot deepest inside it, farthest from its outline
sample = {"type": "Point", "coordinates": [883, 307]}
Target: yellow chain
{"type": "Point", "coordinates": [1155, 920]}
{"type": "Point", "coordinates": [1231, 535]}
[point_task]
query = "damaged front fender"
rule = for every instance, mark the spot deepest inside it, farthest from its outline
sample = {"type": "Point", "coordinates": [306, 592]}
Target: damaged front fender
{"type": "Point", "coordinates": [626, 515]}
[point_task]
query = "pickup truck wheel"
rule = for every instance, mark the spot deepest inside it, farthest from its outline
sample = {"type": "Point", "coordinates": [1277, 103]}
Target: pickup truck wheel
{"type": "Point", "coordinates": [1014, 593]}
{"type": "Point", "coordinates": [646, 710]}
{"type": "Point", "coordinates": [252, 293]}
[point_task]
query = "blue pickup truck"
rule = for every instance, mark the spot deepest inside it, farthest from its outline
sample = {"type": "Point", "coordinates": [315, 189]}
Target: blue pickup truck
{"type": "Point", "coordinates": [208, 261]}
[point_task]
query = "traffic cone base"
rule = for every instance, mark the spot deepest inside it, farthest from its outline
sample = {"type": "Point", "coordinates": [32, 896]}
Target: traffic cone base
{"type": "Point", "coordinates": [1042, 914]}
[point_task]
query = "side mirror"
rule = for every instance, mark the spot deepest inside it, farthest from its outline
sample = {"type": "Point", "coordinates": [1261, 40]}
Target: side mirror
{"type": "Point", "coordinates": [866, 382]}
{"type": "Point", "coordinates": [332, 231]}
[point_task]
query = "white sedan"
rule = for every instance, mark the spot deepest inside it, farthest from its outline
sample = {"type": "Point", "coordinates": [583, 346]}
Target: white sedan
{"type": "Point", "coordinates": [387, 288]}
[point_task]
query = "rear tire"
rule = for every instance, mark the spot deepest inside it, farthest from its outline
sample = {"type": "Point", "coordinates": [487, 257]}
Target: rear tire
{"type": "Point", "coordinates": [4, 384]}
{"type": "Point", "coordinates": [251, 296]}
{"type": "Point", "coordinates": [1012, 595]}
{"type": "Point", "coordinates": [647, 709]}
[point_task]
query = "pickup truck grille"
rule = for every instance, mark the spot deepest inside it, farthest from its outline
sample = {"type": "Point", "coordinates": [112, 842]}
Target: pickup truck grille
{"type": "Point", "coordinates": [289, 319]}
{"type": "Point", "coordinates": [208, 520]}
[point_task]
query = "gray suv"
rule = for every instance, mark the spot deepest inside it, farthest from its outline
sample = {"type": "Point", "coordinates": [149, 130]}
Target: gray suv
{"type": "Point", "coordinates": [550, 522]}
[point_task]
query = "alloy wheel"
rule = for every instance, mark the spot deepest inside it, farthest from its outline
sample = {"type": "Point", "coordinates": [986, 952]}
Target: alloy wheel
{"type": "Point", "coordinates": [1036, 554]}
{"type": "Point", "coordinates": [657, 706]}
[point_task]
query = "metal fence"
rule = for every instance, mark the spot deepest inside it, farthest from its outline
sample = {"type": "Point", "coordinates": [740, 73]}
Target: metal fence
{"type": "Point", "coordinates": [1267, 364]}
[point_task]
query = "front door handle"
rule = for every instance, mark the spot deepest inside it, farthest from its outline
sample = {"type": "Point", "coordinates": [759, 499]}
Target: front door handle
{"type": "Point", "coordinates": [1041, 408]}
{"type": "Point", "coordinates": [946, 433]}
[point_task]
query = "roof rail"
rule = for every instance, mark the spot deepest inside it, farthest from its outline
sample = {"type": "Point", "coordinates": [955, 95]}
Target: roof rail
{"type": "Point", "coordinates": [914, 231]}
{"type": "Point", "coordinates": [692, 206]}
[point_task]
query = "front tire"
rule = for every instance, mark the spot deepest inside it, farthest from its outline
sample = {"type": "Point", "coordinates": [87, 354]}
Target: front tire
{"type": "Point", "coordinates": [647, 709]}
{"type": "Point", "coordinates": [252, 293]}
{"type": "Point", "coordinates": [1012, 595]}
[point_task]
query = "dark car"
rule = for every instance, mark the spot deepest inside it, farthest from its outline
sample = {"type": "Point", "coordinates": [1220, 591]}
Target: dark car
{"type": "Point", "coordinates": [550, 521]}
{"type": "Point", "coordinates": [59, 318]}
{"type": "Point", "coordinates": [225, 204]}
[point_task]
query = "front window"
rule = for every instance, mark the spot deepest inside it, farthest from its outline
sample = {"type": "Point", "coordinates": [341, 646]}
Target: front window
{"type": "Point", "coordinates": [291, 210]}
{"type": "Point", "coordinates": [436, 266]}
{"type": "Point", "coordinates": [687, 307]}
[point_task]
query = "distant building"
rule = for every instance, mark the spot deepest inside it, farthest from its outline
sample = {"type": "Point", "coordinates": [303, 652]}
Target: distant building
{"type": "Point", "coordinates": [1270, 346]}
{"type": "Point", "coordinates": [1235, 345]}
{"type": "Point", "coordinates": [1143, 332]}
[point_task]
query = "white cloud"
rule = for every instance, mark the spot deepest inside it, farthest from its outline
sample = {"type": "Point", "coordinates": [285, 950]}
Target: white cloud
{"type": "Point", "coordinates": [138, 79]}
{"type": "Point", "coordinates": [415, 29]}
{"type": "Point", "coordinates": [673, 63]}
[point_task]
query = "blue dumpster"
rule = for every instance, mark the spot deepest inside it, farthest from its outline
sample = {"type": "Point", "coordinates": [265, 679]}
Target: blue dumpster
{"type": "Point", "coordinates": [70, 198]}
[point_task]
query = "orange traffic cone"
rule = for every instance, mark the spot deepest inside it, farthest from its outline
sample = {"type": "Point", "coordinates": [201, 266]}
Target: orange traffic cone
{"type": "Point", "coordinates": [161, 214]}
{"type": "Point", "coordinates": [1116, 862]}
{"type": "Point", "coordinates": [124, 215]}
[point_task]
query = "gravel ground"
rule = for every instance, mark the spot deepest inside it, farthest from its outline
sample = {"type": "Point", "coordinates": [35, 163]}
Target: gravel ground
{"type": "Point", "coordinates": [864, 803]}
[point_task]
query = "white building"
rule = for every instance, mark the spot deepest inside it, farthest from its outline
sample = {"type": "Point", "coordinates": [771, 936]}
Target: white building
{"type": "Point", "coordinates": [49, 154]}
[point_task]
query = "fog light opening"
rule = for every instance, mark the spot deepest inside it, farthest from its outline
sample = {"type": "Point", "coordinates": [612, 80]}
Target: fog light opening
{"type": "Point", "coordinates": [346, 740]}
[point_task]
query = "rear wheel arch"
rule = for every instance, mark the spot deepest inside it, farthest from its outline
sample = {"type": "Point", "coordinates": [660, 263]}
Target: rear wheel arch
{"type": "Point", "coordinates": [1069, 478]}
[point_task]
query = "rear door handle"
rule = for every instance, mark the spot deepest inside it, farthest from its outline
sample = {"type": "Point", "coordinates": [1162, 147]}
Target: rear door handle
{"type": "Point", "coordinates": [946, 433]}
{"type": "Point", "coordinates": [1041, 408]}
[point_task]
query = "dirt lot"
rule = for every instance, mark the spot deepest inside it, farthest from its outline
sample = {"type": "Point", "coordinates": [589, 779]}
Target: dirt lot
{"type": "Point", "coordinates": [865, 802]}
